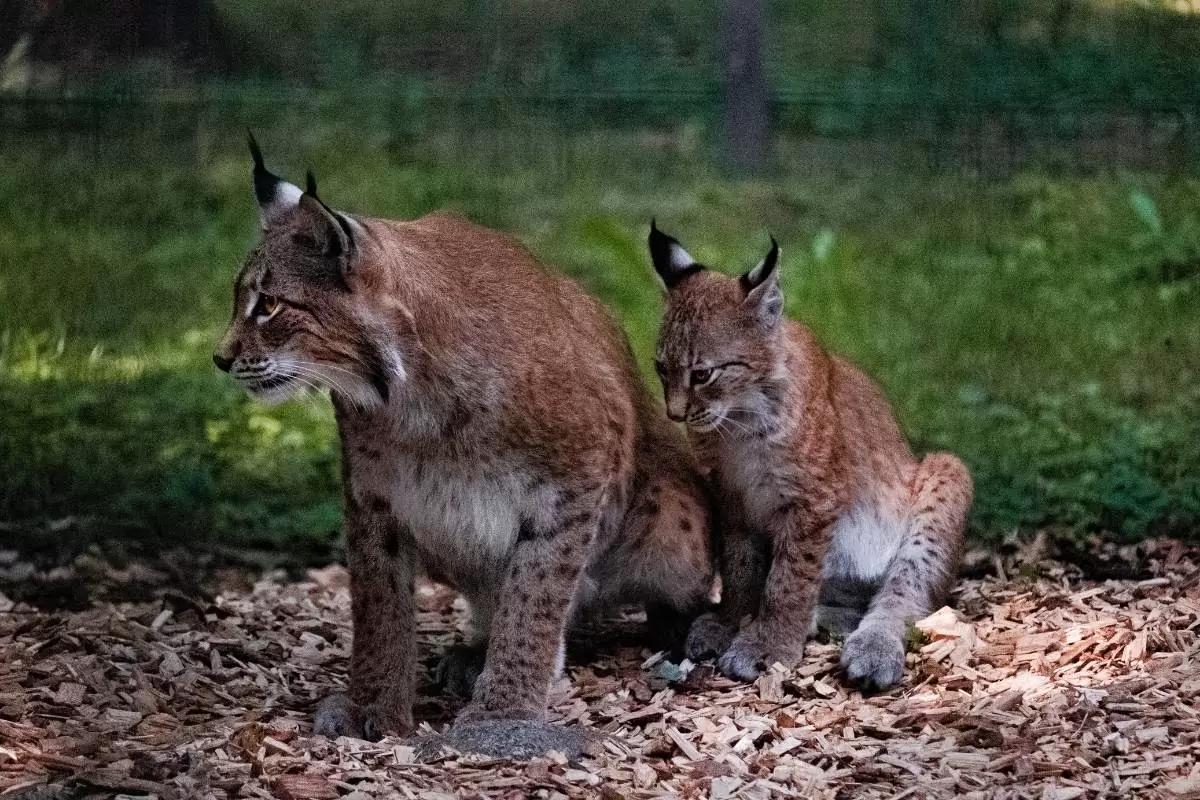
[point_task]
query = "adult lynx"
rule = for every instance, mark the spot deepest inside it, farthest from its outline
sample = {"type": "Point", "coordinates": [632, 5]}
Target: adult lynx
{"type": "Point", "coordinates": [495, 433]}
{"type": "Point", "coordinates": [823, 506]}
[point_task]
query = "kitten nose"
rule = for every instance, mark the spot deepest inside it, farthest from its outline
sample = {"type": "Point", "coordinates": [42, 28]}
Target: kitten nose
{"type": "Point", "coordinates": [676, 408]}
{"type": "Point", "coordinates": [224, 364]}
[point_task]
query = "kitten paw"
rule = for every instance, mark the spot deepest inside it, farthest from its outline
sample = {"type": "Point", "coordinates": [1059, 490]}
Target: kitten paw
{"type": "Point", "coordinates": [745, 659]}
{"type": "Point", "coordinates": [458, 670]}
{"type": "Point", "coordinates": [874, 655]}
{"type": "Point", "coordinates": [515, 739]}
{"type": "Point", "coordinates": [709, 637]}
{"type": "Point", "coordinates": [338, 715]}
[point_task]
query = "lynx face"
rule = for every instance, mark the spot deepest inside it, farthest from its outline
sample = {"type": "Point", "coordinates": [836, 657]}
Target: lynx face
{"type": "Point", "coordinates": [299, 315]}
{"type": "Point", "coordinates": [716, 346]}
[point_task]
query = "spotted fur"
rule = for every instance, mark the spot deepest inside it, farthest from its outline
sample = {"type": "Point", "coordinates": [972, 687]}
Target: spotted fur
{"type": "Point", "coordinates": [494, 433]}
{"type": "Point", "coordinates": [826, 516]}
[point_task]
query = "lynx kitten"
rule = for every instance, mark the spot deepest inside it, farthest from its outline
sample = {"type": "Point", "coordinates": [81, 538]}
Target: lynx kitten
{"type": "Point", "coordinates": [826, 517]}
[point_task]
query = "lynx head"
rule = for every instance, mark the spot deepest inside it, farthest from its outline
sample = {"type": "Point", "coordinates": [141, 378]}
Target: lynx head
{"type": "Point", "coordinates": [301, 309]}
{"type": "Point", "coordinates": [717, 344]}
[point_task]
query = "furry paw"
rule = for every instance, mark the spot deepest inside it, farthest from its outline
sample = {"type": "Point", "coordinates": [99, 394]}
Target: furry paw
{"type": "Point", "coordinates": [745, 659]}
{"type": "Point", "coordinates": [458, 670]}
{"type": "Point", "coordinates": [515, 739]}
{"type": "Point", "coordinates": [338, 715]}
{"type": "Point", "coordinates": [874, 655]}
{"type": "Point", "coordinates": [709, 637]}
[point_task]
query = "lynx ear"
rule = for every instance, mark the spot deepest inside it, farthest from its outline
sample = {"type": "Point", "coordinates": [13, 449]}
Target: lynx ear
{"type": "Point", "coordinates": [761, 285]}
{"type": "Point", "coordinates": [276, 197]}
{"type": "Point", "coordinates": [324, 230]}
{"type": "Point", "coordinates": [671, 261]}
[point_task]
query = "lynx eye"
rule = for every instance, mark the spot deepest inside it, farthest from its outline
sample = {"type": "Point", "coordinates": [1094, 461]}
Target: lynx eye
{"type": "Point", "coordinates": [266, 306]}
{"type": "Point", "coordinates": [699, 377]}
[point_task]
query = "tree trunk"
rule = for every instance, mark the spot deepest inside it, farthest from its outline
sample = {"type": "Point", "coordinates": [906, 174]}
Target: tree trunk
{"type": "Point", "coordinates": [746, 95]}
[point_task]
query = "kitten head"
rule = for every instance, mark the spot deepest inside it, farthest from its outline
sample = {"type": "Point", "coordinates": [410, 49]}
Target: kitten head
{"type": "Point", "coordinates": [300, 302]}
{"type": "Point", "coordinates": [717, 344]}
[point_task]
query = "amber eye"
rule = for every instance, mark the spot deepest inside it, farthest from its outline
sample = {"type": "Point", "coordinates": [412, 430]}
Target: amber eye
{"type": "Point", "coordinates": [267, 305]}
{"type": "Point", "coordinates": [700, 377]}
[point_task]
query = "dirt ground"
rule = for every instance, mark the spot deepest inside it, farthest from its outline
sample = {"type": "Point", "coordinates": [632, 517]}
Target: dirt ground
{"type": "Point", "coordinates": [1038, 684]}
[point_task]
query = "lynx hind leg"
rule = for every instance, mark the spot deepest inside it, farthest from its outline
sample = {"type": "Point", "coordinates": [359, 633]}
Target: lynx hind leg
{"type": "Point", "coordinates": [663, 558]}
{"type": "Point", "coordinates": [460, 666]}
{"type": "Point", "coordinates": [919, 574]}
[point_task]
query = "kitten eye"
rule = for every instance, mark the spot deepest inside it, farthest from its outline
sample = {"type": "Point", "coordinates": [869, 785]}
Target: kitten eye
{"type": "Point", "coordinates": [266, 306]}
{"type": "Point", "coordinates": [700, 377]}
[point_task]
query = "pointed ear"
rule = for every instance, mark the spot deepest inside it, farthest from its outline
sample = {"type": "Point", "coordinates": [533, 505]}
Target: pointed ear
{"type": "Point", "coordinates": [276, 197]}
{"type": "Point", "coordinates": [671, 261]}
{"type": "Point", "coordinates": [322, 229]}
{"type": "Point", "coordinates": [761, 286]}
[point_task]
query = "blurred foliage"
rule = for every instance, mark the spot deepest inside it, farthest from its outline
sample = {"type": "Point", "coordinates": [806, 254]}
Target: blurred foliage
{"type": "Point", "coordinates": [858, 64]}
{"type": "Point", "coordinates": [1042, 326]}
{"type": "Point", "coordinates": [1040, 323]}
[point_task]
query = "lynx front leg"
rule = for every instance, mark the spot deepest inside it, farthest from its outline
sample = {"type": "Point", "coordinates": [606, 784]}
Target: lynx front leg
{"type": "Point", "coordinates": [506, 714]}
{"type": "Point", "coordinates": [381, 555]}
{"type": "Point", "coordinates": [921, 571]}
{"type": "Point", "coordinates": [799, 542]}
{"type": "Point", "coordinates": [527, 630]}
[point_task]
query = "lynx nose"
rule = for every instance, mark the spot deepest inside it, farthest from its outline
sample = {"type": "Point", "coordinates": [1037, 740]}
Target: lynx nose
{"type": "Point", "coordinates": [224, 364]}
{"type": "Point", "coordinates": [676, 407]}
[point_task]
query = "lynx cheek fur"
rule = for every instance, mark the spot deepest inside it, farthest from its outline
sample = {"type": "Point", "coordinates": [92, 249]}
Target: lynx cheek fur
{"type": "Point", "coordinates": [495, 434]}
{"type": "Point", "coordinates": [823, 507]}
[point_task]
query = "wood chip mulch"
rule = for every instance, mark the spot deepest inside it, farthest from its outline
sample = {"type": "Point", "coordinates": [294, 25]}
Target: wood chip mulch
{"type": "Point", "coordinates": [1044, 685]}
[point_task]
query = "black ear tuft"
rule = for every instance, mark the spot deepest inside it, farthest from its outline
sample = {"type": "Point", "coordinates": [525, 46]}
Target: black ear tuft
{"type": "Point", "coordinates": [671, 261]}
{"type": "Point", "coordinates": [265, 183]}
{"type": "Point", "coordinates": [255, 152]}
{"type": "Point", "coordinates": [310, 184]}
{"type": "Point", "coordinates": [757, 276]}
{"type": "Point", "coordinates": [762, 289]}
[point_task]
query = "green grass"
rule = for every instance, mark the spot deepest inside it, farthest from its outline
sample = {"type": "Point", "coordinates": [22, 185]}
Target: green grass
{"type": "Point", "coordinates": [1027, 324]}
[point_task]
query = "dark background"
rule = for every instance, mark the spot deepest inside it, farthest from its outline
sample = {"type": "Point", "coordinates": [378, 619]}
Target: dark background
{"type": "Point", "coordinates": [990, 205]}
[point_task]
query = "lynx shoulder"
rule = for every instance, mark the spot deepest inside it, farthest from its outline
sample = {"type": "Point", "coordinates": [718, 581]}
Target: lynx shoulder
{"type": "Point", "coordinates": [495, 435]}
{"type": "Point", "coordinates": [826, 516]}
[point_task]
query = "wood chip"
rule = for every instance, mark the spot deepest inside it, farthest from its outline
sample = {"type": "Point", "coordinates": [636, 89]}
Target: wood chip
{"type": "Point", "coordinates": [1048, 686]}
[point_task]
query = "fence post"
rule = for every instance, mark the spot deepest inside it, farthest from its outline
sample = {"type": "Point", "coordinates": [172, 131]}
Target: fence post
{"type": "Point", "coordinates": [746, 95]}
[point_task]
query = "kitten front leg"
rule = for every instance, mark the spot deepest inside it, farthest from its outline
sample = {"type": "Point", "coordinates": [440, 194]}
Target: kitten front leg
{"type": "Point", "coordinates": [744, 563]}
{"type": "Point", "coordinates": [778, 632]}
{"type": "Point", "coordinates": [381, 555]}
{"type": "Point", "coordinates": [921, 571]}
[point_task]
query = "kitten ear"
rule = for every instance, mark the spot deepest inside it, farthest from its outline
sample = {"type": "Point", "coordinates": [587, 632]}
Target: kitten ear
{"type": "Point", "coordinates": [671, 261]}
{"type": "Point", "coordinates": [276, 197]}
{"type": "Point", "coordinates": [762, 289]}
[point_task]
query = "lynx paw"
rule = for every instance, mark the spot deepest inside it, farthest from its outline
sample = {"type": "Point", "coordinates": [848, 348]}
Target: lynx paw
{"type": "Point", "coordinates": [458, 670]}
{"type": "Point", "coordinates": [745, 659]}
{"type": "Point", "coordinates": [708, 637]}
{"type": "Point", "coordinates": [515, 739]}
{"type": "Point", "coordinates": [337, 715]}
{"type": "Point", "coordinates": [748, 656]}
{"type": "Point", "coordinates": [874, 655]}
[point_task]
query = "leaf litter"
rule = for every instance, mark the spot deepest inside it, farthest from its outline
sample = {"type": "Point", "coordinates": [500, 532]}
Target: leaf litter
{"type": "Point", "coordinates": [1037, 683]}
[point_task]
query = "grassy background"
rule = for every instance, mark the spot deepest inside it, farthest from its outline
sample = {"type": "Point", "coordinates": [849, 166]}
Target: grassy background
{"type": "Point", "coordinates": [1039, 321]}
